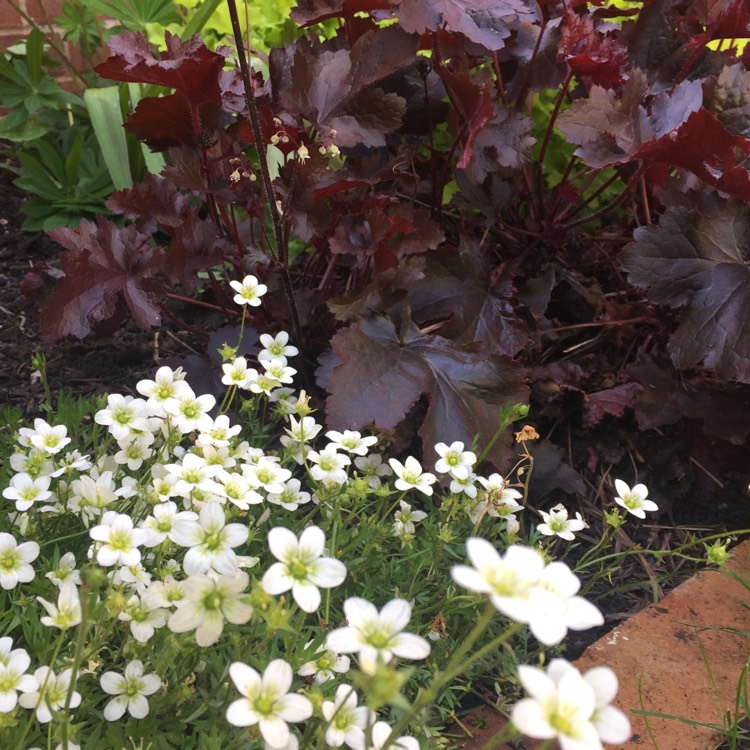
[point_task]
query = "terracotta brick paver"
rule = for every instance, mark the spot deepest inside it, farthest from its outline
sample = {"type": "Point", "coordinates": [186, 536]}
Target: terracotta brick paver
{"type": "Point", "coordinates": [678, 657]}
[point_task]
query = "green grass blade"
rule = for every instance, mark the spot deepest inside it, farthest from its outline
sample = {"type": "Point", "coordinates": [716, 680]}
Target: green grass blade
{"type": "Point", "coordinates": [106, 117]}
{"type": "Point", "coordinates": [197, 22]}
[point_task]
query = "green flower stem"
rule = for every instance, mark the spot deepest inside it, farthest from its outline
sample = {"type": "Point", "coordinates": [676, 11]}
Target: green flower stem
{"type": "Point", "coordinates": [85, 598]}
{"type": "Point", "coordinates": [455, 667]}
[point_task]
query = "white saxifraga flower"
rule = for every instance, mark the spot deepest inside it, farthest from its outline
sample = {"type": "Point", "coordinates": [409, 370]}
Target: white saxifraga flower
{"type": "Point", "coordinates": [276, 347]}
{"type": "Point", "coordinates": [292, 497]}
{"type": "Point", "coordinates": [406, 518]}
{"type": "Point", "coordinates": [65, 571]}
{"type": "Point", "coordinates": [380, 734]}
{"type": "Point", "coordinates": [298, 436]}
{"type": "Point", "coordinates": [207, 603]}
{"type": "Point", "coordinates": [249, 291]}
{"type": "Point", "coordinates": [210, 540]}
{"type": "Point", "coordinates": [167, 383]}
{"type": "Point", "coordinates": [351, 441]}
{"type": "Point", "coordinates": [301, 567]}
{"type": "Point", "coordinates": [134, 450]}
{"type": "Point", "coordinates": [67, 613]}
{"type": "Point", "coordinates": [372, 469]}
{"type": "Point", "coordinates": [346, 720]}
{"type": "Point", "coordinates": [13, 678]}
{"type": "Point", "coordinates": [411, 477]}
{"type": "Point", "coordinates": [220, 434]}
{"type": "Point", "coordinates": [570, 707]}
{"type": "Point", "coordinates": [143, 618]}
{"type": "Point", "coordinates": [118, 540]}
{"type": "Point", "coordinates": [130, 691]}
{"type": "Point", "coordinates": [634, 500]}
{"type": "Point", "coordinates": [377, 635]}
{"type": "Point", "coordinates": [123, 416]}
{"type": "Point", "coordinates": [235, 488]}
{"type": "Point", "coordinates": [266, 701]}
{"type": "Point", "coordinates": [266, 474]}
{"type": "Point", "coordinates": [158, 526]}
{"type": "Point", "coordinates": [328, 465]}
{"type": "Point", "coordinates": [237, 373]}
{"type": "Point", "coordinates": [557, 523]}
{"type": "Point", "coordinates": [26, 491]}
{"type": "Point", "coordinates": [277, 368]}
{"type": "Point", "coordinates": [189, 412]}
{"type": "Point", "coordinates": [525, 590]}
{"type": "Point", "coordinates": [51, 695]}
{"type": "Point", "coordinates": [323, 666]}
{"type": "Point", "coordinates": [454, 460]}
{"type": "Point", "coordinates": [15, 561]}
{"type": "Point", "coordinates": [48, 438]}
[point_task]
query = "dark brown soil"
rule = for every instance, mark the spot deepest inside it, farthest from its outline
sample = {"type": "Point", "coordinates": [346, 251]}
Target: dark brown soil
{"type": "Point", "coordinates": [96, 365]}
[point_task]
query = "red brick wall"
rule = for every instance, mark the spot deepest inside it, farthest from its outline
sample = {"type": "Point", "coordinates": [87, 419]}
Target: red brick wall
{"type": "Point", "coordinates": [13, 27]}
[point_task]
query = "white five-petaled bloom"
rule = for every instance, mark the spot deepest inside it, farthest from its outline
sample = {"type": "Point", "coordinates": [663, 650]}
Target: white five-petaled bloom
{"type": "Point", "coordinates": [411, 477]}
{"type": "Point", "coordinates": [118, 540]}
{"type": "Point", "coordinates": [27, 490]}
{"type": "Point", "coordinates": [67, 613]}
{"type": "Point", "coordinates": [15, 561]}
{"type": "Point", "coordinates": [189, 412]}
{"type": "Point", "coordinates": [634, 500]}
{"type": "Point", "coordinates": [346, 720]}
{"type": "Point", "coordinates": [524, 589]}
{"type": "Point", "coordinates": [406, 518]}
{"type": "Point", "coordinates": [13, 678]}
{"type": "Point", "coordinates": [570, 707]}
{"type": "Point", "coordinates": [328, 465]}
{"type": "Point", "coordinates": [167, 383]}
{"type": "Point", "coordinates": [48, 438]}
{"type": "Point", "coordinates": [372, 468]}
{"type": "Point", "coordinates": [301, 567]}
{"type": "Point", "coordinates": [557, 523]}
{"type": "Point", "coordinates": [276, 347]}
{"type": "Point", "coordinates": [351, 441]}
{"type": "Point", "coordinates": [130, 691]}
{"type": "Point", "coordinates": [51, 695]}
{"type": "Point", "coordinates": [454, 460]}
{"type": "Point", "coordinates": [211, 541]}
{"type": "Point", "coordinates": [377, 635]}
{"type": "Point", "coordinates": [249, 291]}
{"type": "Point", "coordinates": [324, 664]}
{"type": "Point", "coordinates": [266, 701]}
{"type": "Point", "coordinates": [237, 373]}
{"type": "Point", "coordinates": [123, 415]}
{"type": "Point", "coordinates": [380, 734]}
{"type": "Point", "coordinates": [207, 603]}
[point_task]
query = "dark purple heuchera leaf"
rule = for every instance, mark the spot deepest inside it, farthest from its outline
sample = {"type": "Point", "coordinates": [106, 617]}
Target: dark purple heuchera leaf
{"type": "Point", "coordinates": [612, 401]}
{"type": "Point", "coordinates": [551, 472]}
{"type": "Point", "coordinates": [488, 24]}
{"type": "Point", "coordinates": [382, 373]}
{"type": "Point", "coordinates": [190, 68]}
{"type": "Point", "coordinates": [700, 259]}
{"type": "Point", "coordinates": [728, 98]}
{"type": "Point", "coordinates": [461, 288]}
{"type": "Point", "coordinates": [590, 54]}
{"type": "Point", "coordinates": [308, 12]}
{"type": "Point", "coordinates": [667, 398]}
{"type": "Point", "coordinates": [334, 88]}
{"type": "Point", "coordinates": [104, 267]}
{"type": "Point", "coordinates": [677, 132]}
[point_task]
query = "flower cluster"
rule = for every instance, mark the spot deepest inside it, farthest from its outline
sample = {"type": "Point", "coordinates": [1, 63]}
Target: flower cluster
{"type": "Point", "coordinates": [148, 526]}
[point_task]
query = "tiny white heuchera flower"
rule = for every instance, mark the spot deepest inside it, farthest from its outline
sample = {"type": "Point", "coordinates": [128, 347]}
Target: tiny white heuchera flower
{"type": "Point", "coordinates": [301, 566]}
{"type": "Point", "coordinates": [377, 635]}
{"type": "Point", "coordinates": [51, 695]}
{"type": "Point", "coordinates": [130, 691]}
{"type": "Point", "coordinates": [249, 291]}
{"type": "Point", "coordinates": [557, 523]}
{"type": "Point", "coordinates": [325, 663]}
{"type": "Point", "coordinates": [346, 720]}
{"type": "Point", "coordinates": [569, 707]}
{"type": "Point", "coordinates": [266, 701]}
{"type": "Point", "coordinates": [411, 477]}
{"type": "Point", "coordinates": [15, 561]}
{"type": "Point", "coordinates": [454, 460]}
{"type": "Point", "coordinates": [634, 500]}
{"type": "Point", "coordinates": [67, 613]}
{"type": "Point", "coordinates": [119, 540]}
